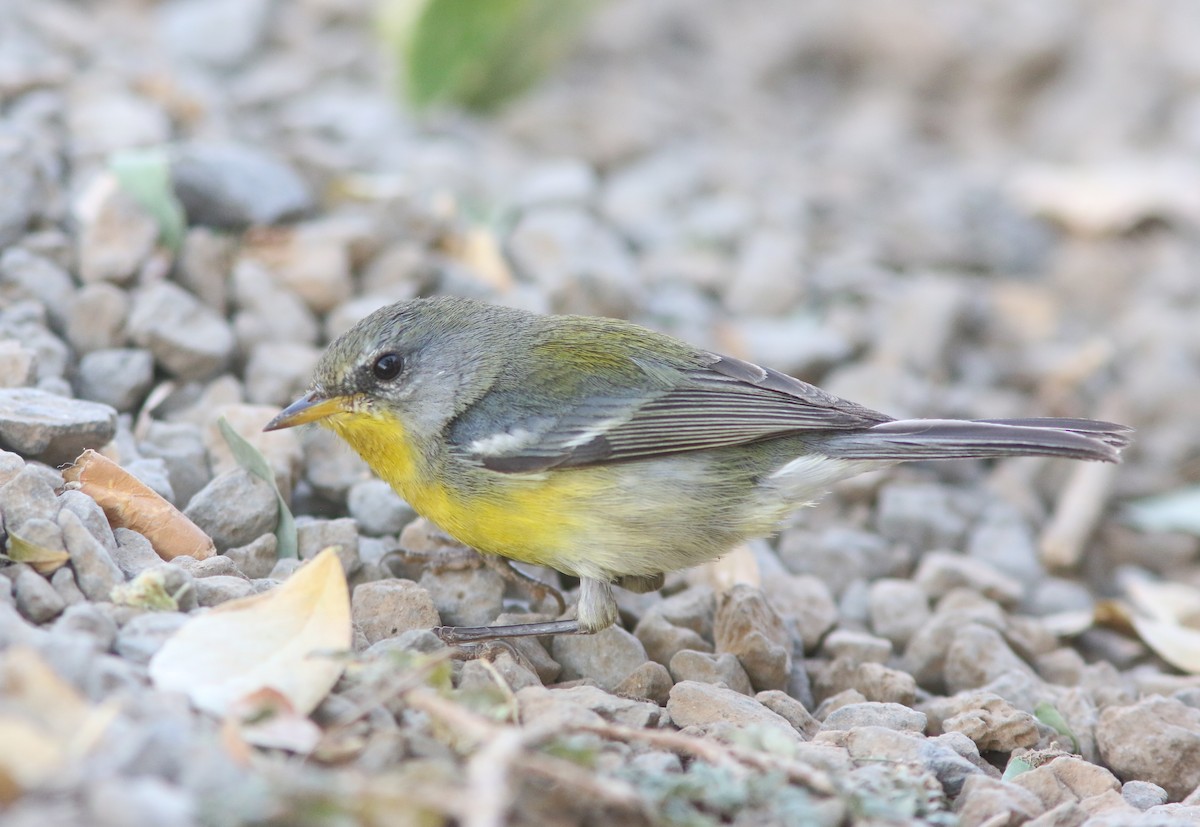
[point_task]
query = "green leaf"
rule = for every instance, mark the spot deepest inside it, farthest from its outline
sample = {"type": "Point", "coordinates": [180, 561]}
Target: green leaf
{"type": "Point", "coordinates": [1176, 511]}
{"type": "Point", "coordinates": [145, 174]}
{"type": "Point", "coordinates": [1015, 767]}
{"type": "Point", "coordinates": [1051, 717]}
{"type": "Point", "coordinates": [253, 461]}
{"type": "Point", "coordinates": [477, 53]}
{"type": "Point", "coordinates": [148, 591]}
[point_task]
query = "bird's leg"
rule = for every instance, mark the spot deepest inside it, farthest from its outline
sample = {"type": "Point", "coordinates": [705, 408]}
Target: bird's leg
{"type": "Point", "coordinates": [537, 588]}
{"type": "Point", "coordinates": [597, 610]}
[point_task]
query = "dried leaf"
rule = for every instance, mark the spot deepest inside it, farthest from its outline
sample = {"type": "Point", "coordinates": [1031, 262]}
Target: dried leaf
{"type": "Point", "coordinates": [281, 640]}
{"type": "Point", "coordinates": [1176, 511]}
{"type": "Point", "coordinates": [128, 503]}
{"type": "Point", "coordinates": [1165, 618]}
{"type": "Point", "coordinates": [267, 719]}
{"type": "Point", "coordinates": [253, 461]}
{"type": "Point", "coordinates": [738, 566]}
{"type": "Point", "coordinates": [45, 725]}
{"type": "Point", "coordinates": [479, 251]}
{"type": "Point", "coordinates": [44, 561]}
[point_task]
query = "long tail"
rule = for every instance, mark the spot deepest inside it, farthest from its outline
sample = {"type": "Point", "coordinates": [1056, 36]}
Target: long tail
{"type": "Point", "coordinates": [913, 439]}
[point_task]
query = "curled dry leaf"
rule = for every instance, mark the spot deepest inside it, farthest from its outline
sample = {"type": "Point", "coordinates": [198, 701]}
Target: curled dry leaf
{"type": "Point", "coordinates": [45, 725]}
{"type": "Point", "coordinates": [285, 640]}
{"type": "Point", "coordinates": [1167, 619]}
{"type": "Point", "coordinates": [45, 561]}
{"type": "Point", "coordinates": [129, 504]}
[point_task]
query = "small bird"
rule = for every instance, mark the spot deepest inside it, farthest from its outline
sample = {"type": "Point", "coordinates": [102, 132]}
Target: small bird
{"type": "Point", "coordinates": [608, 451]}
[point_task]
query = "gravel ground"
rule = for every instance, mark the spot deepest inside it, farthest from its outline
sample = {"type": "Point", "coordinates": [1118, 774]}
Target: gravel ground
{"type": "Point", "coordinates": [980, 210]}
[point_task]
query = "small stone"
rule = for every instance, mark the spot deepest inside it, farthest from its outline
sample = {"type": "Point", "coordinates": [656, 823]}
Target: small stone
{"type": "Point", "coordinates": [991, 722]}
{"type": "Point", "coordinates": [978, 655]}
{"type": "Point", "coordinates": [329, 467]}
{"type": "Point", "coordinates": [875, 681]}
{"type": "Point", "coordinates": [10, 465]}
{"type": "Point", "coordinates": [1142, 795]}
{"type": "Point", "coordinates": [268, 313]}
{"type": "Point", "coordinates": [649, 682]}
{"type": "Point", "coordinates": [278, 373]}
{"type": "Point", "coordinates": [476, 676]}
{"type": "Point", "coordinates": [233, 186]}
{"type": "Point", "coordinates": [146, 633]}
{"type": "Point", "coordinates": [86, 620]}
{"type": "Point", "coordinates": [471, 596]}
{"type": "Point", "coordinates": [188, 339]}
{"type": "Point", "coordinates": [256, 559]}
{"type": "Point", "coordinates": [63, 582]}
{"type": "Point", "coordinates": [120, 378]}
{"type": "Point", "coordinates": [606, 657]}
{"type": "Point", "coordinates": [116, 234]}
{"type": "Point", "coordinates": [582, 265]}
{"type": "Point", "coordinates": [377, 508]}
{"type": "Point", "coordinates": [791, 710]}
{"type": "Point", "coordinates": [133, 553]}
{"type": "Point", "coordinates": [940, 572]}
{"type": "Point", "coordinates": [217, 566]}
{"type": "Point", "coordinates": [204, 265]}
{"type": "Point", "coordinates": [747, 626]}
{"type": "Point", "coordinates": [995, 803]}
{"type": "Point", "coordinates": [96, 317]}
{"type": "Point", "coordinates": [387, 608]}
{"type": "Point", "coordinates": [898, 608]}
{"type": "Point", "coordinates": [25, 275]}
{"type": "Point", "coordinates": [37, 600]}
{"type": "Point", "coordinates": [143, 801]}
{"type": "Point", "coordinates": [221, 34]}
{"type": "Point", "coordinates": [1066, 779]}
{"type": "Point", "coordinates": [1156, 739]}
{"type": "Point", "coordinates": [663, 640]}
{"type": "Point", "coordinates": [311, 260]}
{"type": "Point", "coordinates": [621, 711]}
{"type": "Point", "coordinates": [837, 556]}
{"type": "Point", "coordinates": [17, 364]}
{"type": "Point", "coordinates": [704, 705]}
{"type": "Point", "coordinates": [221, 588]}
{"type": "Point", "coordinates": [91, 515]}
{"type": "Point", "coordinates": [314, 536]}
{"type": "Point", "coordinates": [857, 647]}
{"type": "Point", "coordinates": [806, 603]}
{"type": "Point", "coordinates": [27, 496]}
{"type": "Point", "coordinates": [52, 428]}
{"type": "Point", "coordinates": [95, 572]}
{"type": "Point", "coordinates": [180, 445]}
{"type": "Point", "coordinates": [1004, 540]}
{"type": "Point", "coordinates": [768, 277]}
{"type": "Point", "coordinates": [566, 181]}
{"type": "Point", "coordinates": [705, 667]}
{"type": "Point", "coordinates": [921, 515]}
{"type": "Point", "coordinates": [555, 709]}
{"type": "Point", "coordinates": [234, 509]}
{"type": "Point", "coordinates": [890, 716]}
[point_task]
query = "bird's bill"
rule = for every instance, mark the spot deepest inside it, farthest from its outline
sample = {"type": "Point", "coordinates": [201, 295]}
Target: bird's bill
{"type": "Point", "coordinates": [308, 408]}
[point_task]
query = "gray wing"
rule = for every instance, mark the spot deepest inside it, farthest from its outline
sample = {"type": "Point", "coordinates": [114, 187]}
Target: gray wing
{"type": "Point", "coordinates": [719, 402]}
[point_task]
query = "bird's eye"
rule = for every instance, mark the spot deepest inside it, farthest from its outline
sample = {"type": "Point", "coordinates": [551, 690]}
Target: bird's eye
{"type": "Point", "coordinates": [387, 367]}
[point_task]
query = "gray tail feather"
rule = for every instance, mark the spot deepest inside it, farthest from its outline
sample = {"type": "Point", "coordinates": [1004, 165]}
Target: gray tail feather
{"type": "Point", "coordinates": [916, 439]}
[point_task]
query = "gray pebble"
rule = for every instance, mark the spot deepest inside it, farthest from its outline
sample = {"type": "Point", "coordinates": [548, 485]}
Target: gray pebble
{"type": "Point", "coordinates": [96, 318]}
{"type": "Point", "coordinates": [18, 364]}
{"type": "Point", "coordinates": [663, 640]}
{"type": "Point", "coordinates": [90, 622]}
{"type": "Point", "coordinates": [837, 556]}
{"type": "Point", "coordinates": [133, 554]}
{"type": "Point", "coordinates": [747, 626]}
{"type": "Point", "coordinates": [791, 710]}
{"type": "Point", "coordinates": [387, 608]}
{"type": "Point", "coordinates": [649, 682]}
{"type": "Point", "coordinates": [268, 312]}
{"type": "Point", "coordinates": [977, 655]}
{"type": "Point", "coordinates": [116, 234]}
{"type": "Point", "coordinates": [284, 568]}
{"type": "Point", "coordinates": [64, 583]}
{"type": "Point", "coordinates": [188, 339]}
{"type": "Point", "coordinates": [181, 446]}
{"type": "Point", "coordinates": [1143, 795]}
{"type": "Point", "coordinates": [377, 508]}
{"type": "Point", "coordinates": [218, 566]}
{"type": "Point", "coordinates": [857, 647]}
{"type": "Point", "coordinates": [234, 186]}
{"type": "Point", "coordinates": [806, 604]}
{"type": "Point", "coordinates": [515, 675]}
{"type": "Point", "coordinates": [898, 608]}
{"type": "Point", "coordinates": [279, 372]}
{"type": "Point", "coordinates": [40, 532]}
{"type": "Point", "coordinates": [145, 634]}
{"type": "Point", "coordinates": [889, 715]}
{"type": "Point", "coordinates": [95, 572]}
{"type": "Point", "coordinates": [25, 275]}
{"type": "Point", "coordinates": [139, 801]}
{"type": "Point", "coordinates": [54, 429]}
{"type": "Point", "coordinates": [607, 657]}
{"type": "Point", "coordinates": [221, 588]}
{"type": "Point", "coordinates": [10, 465]}
{"type": "Point", "coordinates": [940, 572]}
{"type": "Point", "coordinates": [314, 536]}
{"type": "Point", "coordinates": [119, 377]}
{"type": "Point", "coordinates": [37, 600]}
{"type": "Point", "coordinates": [465, 597]}
{"type": "Point", "coordinates": [257, 559]}
{"type": "Point", "coordinates": [234, 509]}
{"type": "Point", "coordinates": [656, 763]}
{"type": "Point", "coordinates": [703, 705]}
{"type": "Point", "coordinates": [922, 515]}
{"type": "Point", "coordinates": [90, 514]}
{"type": "Point", "coordinates": [1156, 739]}
{"type": "Point", "coordinates": [706, 667]}
{"type": "Point", "coordinates": [204, 265]}
{"type": "Point", "coordinates": [991, 722]}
